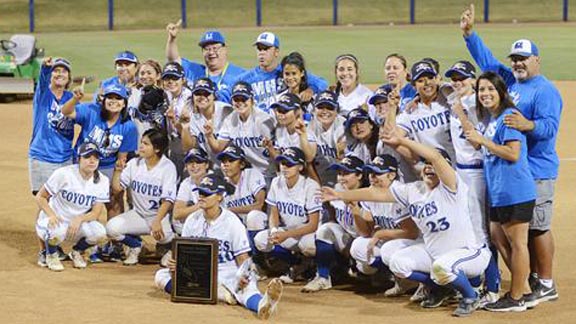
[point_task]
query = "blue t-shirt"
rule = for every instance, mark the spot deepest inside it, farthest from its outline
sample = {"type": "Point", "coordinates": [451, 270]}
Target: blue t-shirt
{"type": "Point", "coordinates": [123, 136]}
{"type": "Point", "coordinates": [508, 182]}
{"type": "Point", "coordinates": [105, 83]}
{"type": "Point", "coordinates": [538, 100]}
{"type": "Point", "coordinates": [52, 132]}
{"type": "Point", "coordinates": [223, 81]}
{"type": "Point", "coordinates": [407, 93]}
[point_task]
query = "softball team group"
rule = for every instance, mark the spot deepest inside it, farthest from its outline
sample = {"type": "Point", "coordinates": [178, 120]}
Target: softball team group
{"type": "Point", "coordinates": [421, 185]}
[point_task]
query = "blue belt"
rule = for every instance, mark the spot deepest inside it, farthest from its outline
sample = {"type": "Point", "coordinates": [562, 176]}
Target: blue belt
{"type": "Point", "coordinates": [470, 166]}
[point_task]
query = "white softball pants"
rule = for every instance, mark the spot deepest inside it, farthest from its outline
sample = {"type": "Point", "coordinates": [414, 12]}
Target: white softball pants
{"type": "Point", "coordinates": [476, 182]}
{"type": "Point", "coordinates": [333, 233]}
{"type": "Point", "coordinates": [304, 244]}
{"type": "Point", "coordinates": [359, 251]}
{"type": "Point", "coordinates": [131, 223]}
{"type": "Point", "coordinates": [93, 231]}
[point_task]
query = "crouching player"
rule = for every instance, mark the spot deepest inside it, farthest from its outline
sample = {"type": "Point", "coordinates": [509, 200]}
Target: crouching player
{"type": "Point", "coordinates": [213, 221]}
{"type": "Point", "coordinates": [71, 201]}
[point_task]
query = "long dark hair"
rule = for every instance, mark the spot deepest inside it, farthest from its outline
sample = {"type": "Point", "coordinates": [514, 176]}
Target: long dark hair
{"type": "Point", "coordinates": [159, 140]}
{"type": "Point", "coordinates": [105, 114]}
{"type": "Point", "coordinates": [297, 59]}
{"type": "Point", "coordinates": [501, 88]}
{"type": "Point", "coordinates": [354, 60]}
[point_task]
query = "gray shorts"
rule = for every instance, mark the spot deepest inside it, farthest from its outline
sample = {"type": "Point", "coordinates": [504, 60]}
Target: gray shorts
{"type": "Point", "coordinates": [40, 171]}
{"type": "Point", "coordinates": [542, 218]}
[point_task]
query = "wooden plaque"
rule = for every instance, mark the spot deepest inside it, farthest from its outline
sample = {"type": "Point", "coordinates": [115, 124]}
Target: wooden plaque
{"type": "Point", "coordinates": [196, 277]}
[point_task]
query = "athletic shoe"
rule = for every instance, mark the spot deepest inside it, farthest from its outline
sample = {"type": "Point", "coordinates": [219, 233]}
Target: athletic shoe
{"type": "Point", "coordinates": [42, 259]}
{"type": "Point", "coordinates": [94, 255]}
{"type": "Point", "coordinates": [288, 278]}
{"type": "Point", "coordinates": [544, 294]}
{"type": "Point", "coordinates": [420, 294]}
{"type": "Point", "coordinates": [115, 252]}
{"type": "Point", "coordinates": [225, 294]}
{"type": "Point", "coordinates": [258, 272]}
{"type": "Point", "coordinates": [132, 256]}
{"type": "Point", "coordinates": [61, 255]}
{"type": "Point", "coordinates": [531, 300]}
{"type": "Point", "coordinates": [53, 262]}
{"type": "Point", "coordinates": [487, 297]}
{"type": "Point", "coordinates": [164, 261]}
{"type": "Point", "coordinates": [77, 259]}
{"type": "Point", "coordinates": [317, 284]}
{"type": "Point", "coordinates": [269, 303]}
{"type": "Point", "coordinates": [437, 297]}
{"type": "Point", "coordinates": [401, 287]}
{"type": "Point", "coordinates": [507, 304]}
{"type": "Point", "coordinates": [466, 307]}
{"type": "Point", "coordinates": [533, 281]}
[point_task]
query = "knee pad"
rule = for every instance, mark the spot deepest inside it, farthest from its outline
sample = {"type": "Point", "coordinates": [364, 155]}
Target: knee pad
{"type": "Point", "coordinates": [256, 220]}
{"type": "Point", "coordinates": [325, 234]}
{"type": "Point", "coordinates": [307, 248]}
{"type": "Point", "coordinates": [358, 249]}
{"type": "Point", "coordinates": [441, 273]}
{"type": "Point", "coordinates": [161, 278]}
{"type": "Point", "coordinates": [261, 242]}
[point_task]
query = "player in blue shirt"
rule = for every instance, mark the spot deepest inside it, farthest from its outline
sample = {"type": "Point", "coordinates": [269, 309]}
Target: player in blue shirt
{"type": "Point", "coordinates": [126, 65]}
{"type": "Point", "coordinates": [216, 65]}
{"type": "Point", "coordinates": [540, 105]}
{"type": "Point", "coordinates": [510, 186]}
{"type": "Point", "coordinates": [396, 73]}
{"type": "Point", "coordinates": [266, 78]}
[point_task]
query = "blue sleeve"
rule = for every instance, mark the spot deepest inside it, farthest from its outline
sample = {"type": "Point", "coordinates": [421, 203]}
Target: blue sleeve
{"type": "Point", "coordinates": [224, 95]}
{"type": "Point", "coordinates": [317, 83]}
{"type": "Point", "coordinates": [548, 106]}
{"type": "Point", "coordinates": [486, 60]}
{"type": "Point", "coordinates": [83, 114]}
{"type": "Point", "coordinates": [130, 138]}
{"type": "Point", "coordinates": [43, 84]}
{"type": "Point", "coordinates": [509, 134]}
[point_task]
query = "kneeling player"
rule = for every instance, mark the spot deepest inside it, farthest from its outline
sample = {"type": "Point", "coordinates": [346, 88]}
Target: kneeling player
{"type": "Point", "coordinates": [213, 221]}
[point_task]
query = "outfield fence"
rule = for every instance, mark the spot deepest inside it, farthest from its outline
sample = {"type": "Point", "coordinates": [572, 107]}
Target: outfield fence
{"type": "Point", "coordinates": [67, 15]}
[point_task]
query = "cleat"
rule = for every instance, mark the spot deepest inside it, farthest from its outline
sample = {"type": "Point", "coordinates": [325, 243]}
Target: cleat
{"type": "Point", "coordinates": [401, 287]}
{"type": "Point", "coordinates": [53, 262]}
{"type": "Point", "coordinates": [77, 259]}
{"type": "Point", "coordinates": [269, 303]}
{"type": "Point", "coordinates": [132, 256]}
{"type": "Point", "coordinates": [42, 259]}
{"type": "Point", "coordinates": [317, 284]}
{"type": "Point", "coordinates": [466, 307]}
{"type": "Point", "coordinates": [420, 294]}
{"type": "Point", "coordinates": [437, 297]}
{"type": "Point", "coordinates": [487, 297]}
{"type": "Point", "coordinates": [507, 304]}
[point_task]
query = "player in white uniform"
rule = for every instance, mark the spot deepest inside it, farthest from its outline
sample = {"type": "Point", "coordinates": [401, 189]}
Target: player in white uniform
{"type": "Point", "coordinates": [151, 181]}
{"type": "Point", "coordinates": [71, 201]}
{"type": "Point", "coordinates": [450, 254]}
{"type": "Point", "coordinates": [197, 165]}
{"type": "Point", "coordinates": [246, 127]}
{"type": "Point", "coordinates": [429, 122]}
{"type": "Point", "coordinates": [328, 128]}
{"type": "Point", "coordinates": [294, 211]}
{"type": "Point", "coordinates": [249, 195]}
{"type": "Point", "coordinates": [207, 119]}
{"type": "Point", "coordinates": [384, 227]}
{"type": "Point", "coordinates": [361, 135]}
{"type": "Point", "coordinates": [351, 94]}
{"type": "Point", "coordinates": [336, 235]}
{"type": "Point", "coordinates": [235, 282]}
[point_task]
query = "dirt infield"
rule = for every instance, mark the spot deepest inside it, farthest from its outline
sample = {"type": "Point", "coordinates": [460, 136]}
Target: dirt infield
{"type": "Point", "coordinates": [112, 293]}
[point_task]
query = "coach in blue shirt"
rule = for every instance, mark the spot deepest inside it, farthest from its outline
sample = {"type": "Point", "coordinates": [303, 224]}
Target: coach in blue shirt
{"type": "Point", "coordinates": [540, 107]}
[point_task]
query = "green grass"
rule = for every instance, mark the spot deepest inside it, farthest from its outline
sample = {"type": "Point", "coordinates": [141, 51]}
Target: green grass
{"type": "Point", "coordinates": [75, 15]}
{"type": "Point", "coordinates": [92, 53]}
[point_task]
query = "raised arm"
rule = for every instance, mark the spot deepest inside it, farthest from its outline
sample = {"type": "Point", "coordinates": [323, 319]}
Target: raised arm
{"type": "Point", "coordinates": [172, 54]}
{"type": "Point", "coordinates": [363, 194]}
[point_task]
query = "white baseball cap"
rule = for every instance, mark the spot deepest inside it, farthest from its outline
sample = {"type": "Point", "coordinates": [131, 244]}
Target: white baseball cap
{"type": "Point", "coordinates": [523, 47]}
{"type": "Point", "coordinates": [268, 39]}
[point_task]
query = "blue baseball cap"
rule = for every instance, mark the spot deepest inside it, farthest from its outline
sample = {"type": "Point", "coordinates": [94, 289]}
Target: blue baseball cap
{"type": "Point", "coordinates": [288, 101]}
{"type": "Point", "coordinates": [422, 68]}
{"type": "Point", "coordinates": [211, 184]}
{"type": "Point", "coordinates": [355, 115]}
{"type": "Point", "coordinates": [523, 47]}
{"type": "Point", "coordinates": [381, 94]}
{"type": "Point", "coordinates": [87, 149]}
{"type": "Point", "coordinates": [463, 68]}
{"type": "Point", "coordinates": [116, 89]}
{"type": "Point", "coordinates": [350, 163]}
{"type": "Point", "coordinates": [126, 56]}
{"type": "Point", "coordinates": [268, 39]}
{"type": "Point", "coordinates": [204, 84]}
{"type": "Point", "coordinates": [242, 89]}
{"type": "Point", "coordinates": [196, 155]}
{"type": "Point", "coordinates": [327, 97]}
{"type": "Point", "coordinates": [173, 69]}
{"type": "Point", "coordinates": [212, 37]}
{"type": "Point", "coordinates": [292, 155]}
{"type": "Point", "coordinates": [234, 153]}
{"type": "Point", "coordinates": [382, 164]}
{"type": "Point", "coordinates": [63, 63]}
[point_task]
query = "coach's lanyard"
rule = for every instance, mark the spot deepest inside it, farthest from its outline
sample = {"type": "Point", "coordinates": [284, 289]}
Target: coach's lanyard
{"type": "Point", "coordinates": [221, 75]}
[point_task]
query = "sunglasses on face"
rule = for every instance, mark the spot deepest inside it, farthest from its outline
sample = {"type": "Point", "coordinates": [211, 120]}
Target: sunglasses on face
{"type": "Point", "coordinates": [326, 107]}
{"type": "Point", "coordinates": [202, 94]}
{"type": "Point", "coordinates": [458, 78]}
{"type": "Point", "coordinates": [239, 99]}
{"type": "Point", "coordinates": [282, 110]}
{"type": "Point", "coordinates": [287, 163]}
{"type": "Point", "coordinates": [171, 78]}
{"type": "Point", "coordinates": [205, 194]}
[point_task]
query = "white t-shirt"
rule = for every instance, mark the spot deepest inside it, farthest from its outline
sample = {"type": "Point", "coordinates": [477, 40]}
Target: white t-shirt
{"type": "Point", "coordinates": [326, 141]}
{"type": "Point", "coordinates": [355, 99]}
{"type": "Point", "coordinates": [343, 214]}
{"type": "Point", "coordinates": [441, 215]}
{"type": "Point", "coordinates": [249, 185]}
{"type": "Point", "coordinates": [73, 196]}
{"type": "Point", "coordinates": [149, 187]}
{"type": "Point", "coordinates": [294, 204]}
{"type": "Point", "coordinates": [285, 140]}
{"type": "Point", "coordinates": [230, 233]}
{"type": "Point", "coordinates": [180, 103]}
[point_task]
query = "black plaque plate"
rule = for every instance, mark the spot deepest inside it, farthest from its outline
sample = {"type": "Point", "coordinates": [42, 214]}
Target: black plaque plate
{"type": "Point", "coordinates": [196, 277]}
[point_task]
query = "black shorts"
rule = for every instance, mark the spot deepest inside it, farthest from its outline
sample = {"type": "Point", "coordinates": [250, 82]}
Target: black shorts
{"type": "Point", "coordinates": [521, 212]}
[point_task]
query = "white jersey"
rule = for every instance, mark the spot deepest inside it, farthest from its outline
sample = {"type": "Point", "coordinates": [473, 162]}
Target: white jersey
{"type": "Point", "coordinates": [385, 215]}
{"type": "Point", "coordinates": [180, 103]}
{"type": "Point", "coordinates": [406, 170]}
{"type": "Point", "coordinates": [197, 122]}
{"type": "Point", "coordinates": [294, 204]}
{"type": "Point", "coordinates": [355, 99]}
{"type": "Point", "coordinates": [149, 187]}
{"type": "Point", "coordinates": [466, 155]}
{"type": "Point", "coordinates": [441, 215]}
{"type": "Point", "coordinates": [285, 140]}
{"type": "Point", "coordinates": [228, 230]}
{"type": "Point", "coordinates": [186, 192]}
{"type": "Point", "coordinates": [249, 134]}
{"type": "Point", "coordinates": [359, 149]}
{"type": "Point", "coordinates": [343, 214]}
{"type": "Point", "coordinates": [429, 125]}
{"type": "Point", "coordinates": [326, 141]}
{"type": "Point", "coordinates": [251, 182]}
{"type": "Point", "coordinates": [73, 196]}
